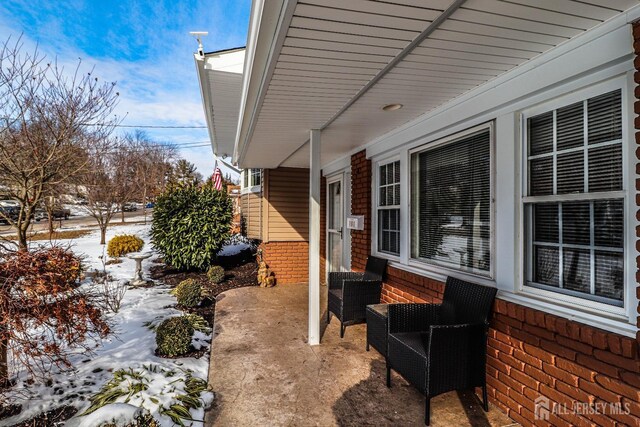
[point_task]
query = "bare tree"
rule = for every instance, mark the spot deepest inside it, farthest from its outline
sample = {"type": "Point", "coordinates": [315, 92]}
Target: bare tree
{"type": "Point", "coordinates": [48, 118]}
{"type": "Point", "coordinates": [102, 189]}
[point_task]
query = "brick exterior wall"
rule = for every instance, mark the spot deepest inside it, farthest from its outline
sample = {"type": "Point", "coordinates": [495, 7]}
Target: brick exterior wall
{"type": "Point", "coordinates": [530, 353]}
{"type": "Point", "coordinates": [360, 205]}
{"type": "Point", "coordinates": [288, 260]}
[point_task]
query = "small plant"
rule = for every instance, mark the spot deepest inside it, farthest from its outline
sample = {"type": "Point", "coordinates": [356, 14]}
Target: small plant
{"type": "Point", "coordinates": [188, 292]}
{"type": "Point", "coordinates": [113, 293]}
{"type": "Point", "coordinates": [193, 387]}
{"type": "Point", "coordinates": [124, 383]}
{"type": "Point", "coordinates": [173, 336]}
{"type": "Point", "coordinates": [198, 323]}
{"type": "Point", "coordinates": [124, 244]}
{"type": "Point", "coordinates": [215, 274]}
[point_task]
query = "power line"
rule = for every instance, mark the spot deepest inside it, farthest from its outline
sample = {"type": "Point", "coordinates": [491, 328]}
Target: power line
{"type": "Point", "coordinates": [145, 126]}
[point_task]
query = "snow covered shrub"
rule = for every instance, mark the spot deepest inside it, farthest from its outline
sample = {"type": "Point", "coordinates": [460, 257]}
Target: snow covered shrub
{"type": "Point", "coordinates": [188, 292]}
{"type": "Point", "coordinates": [124, 244]}
{"type": "Point", "coordinates": [124, 383]}
{"type": "Point", "coordinates": [173, 336]}
{"type": "Point", "coordinates": [47, 315]}
{"type": "Point", "coordinates": [190, 225]}
{"type": "Point", "coordinates": [215, 274]}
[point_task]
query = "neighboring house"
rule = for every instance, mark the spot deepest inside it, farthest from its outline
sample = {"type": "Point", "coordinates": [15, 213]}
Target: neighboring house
{"type": "Point", "coordinates": [487, 140]}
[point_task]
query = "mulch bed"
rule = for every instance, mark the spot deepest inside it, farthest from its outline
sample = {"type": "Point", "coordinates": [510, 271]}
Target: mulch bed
{"type": "Point", "coordinates": [240, 271]}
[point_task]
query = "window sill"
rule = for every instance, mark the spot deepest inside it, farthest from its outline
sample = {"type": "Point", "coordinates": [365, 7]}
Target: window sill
{"type": "Point", "coordinates": [439, 273]}
{"type": "Point", "coordinates": [253, 189]}
{"type": "Point", "coordinates": [610, 322]}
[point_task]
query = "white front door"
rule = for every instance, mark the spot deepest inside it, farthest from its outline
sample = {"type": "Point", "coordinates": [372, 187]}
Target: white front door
{"type": "Point", "coordinates": [335, 219]}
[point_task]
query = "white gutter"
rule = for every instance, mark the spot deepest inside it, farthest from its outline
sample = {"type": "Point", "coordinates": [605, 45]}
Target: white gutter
{"type": "Point", "coordinates": [205, 93]}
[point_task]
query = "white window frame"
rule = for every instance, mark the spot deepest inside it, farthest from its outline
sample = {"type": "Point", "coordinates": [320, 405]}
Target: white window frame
{"type": "Point", "coordinates": [251, 188]}
{"type": "Point", "coordinates": [593, 307]}
{"type": "Point", "coordinates": [485, 277]}
{"type": "Point", "coordinates": [376, 206]}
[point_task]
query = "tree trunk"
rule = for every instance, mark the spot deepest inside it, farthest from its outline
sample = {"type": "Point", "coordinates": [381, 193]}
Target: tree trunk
{"type": "Point", "coordinates": [50, 218]}
{"type": "Point", "coordinates": [103, 234]}
{"type": "Point", "coordinates": [4, 363]}
{"type": "Point", "coordinates": [22, 238]}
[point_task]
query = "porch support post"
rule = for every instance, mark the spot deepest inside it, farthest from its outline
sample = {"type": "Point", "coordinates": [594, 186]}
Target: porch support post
{"type": "Point", "coordinates": [314, 237]}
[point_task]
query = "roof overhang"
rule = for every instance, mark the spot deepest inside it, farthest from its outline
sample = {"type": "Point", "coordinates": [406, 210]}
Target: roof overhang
{"type": "Point", "coordinates": [332, 65]}
{"type": "Point", "coordinates": [220, 77]}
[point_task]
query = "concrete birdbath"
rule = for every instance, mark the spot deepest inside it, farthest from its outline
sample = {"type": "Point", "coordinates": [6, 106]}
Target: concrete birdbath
{"type": "Point", "coordinates": [137, 279]}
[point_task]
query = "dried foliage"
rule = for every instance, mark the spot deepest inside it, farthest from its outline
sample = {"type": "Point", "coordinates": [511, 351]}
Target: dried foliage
{"type": "Point", "coordinates": [44, 313]}
{"type": "Point", "coordinates": [124, 244]}
{"type": "Point", "coordinates": [113, 293]}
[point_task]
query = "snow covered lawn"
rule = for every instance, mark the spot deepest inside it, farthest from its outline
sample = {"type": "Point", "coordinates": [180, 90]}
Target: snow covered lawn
{"type": "Point", "coordinates": [131, 349]}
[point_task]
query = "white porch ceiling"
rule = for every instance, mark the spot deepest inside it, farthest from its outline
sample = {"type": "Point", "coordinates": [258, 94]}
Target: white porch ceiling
{"type": "Point", "coordinates": [334, 48]}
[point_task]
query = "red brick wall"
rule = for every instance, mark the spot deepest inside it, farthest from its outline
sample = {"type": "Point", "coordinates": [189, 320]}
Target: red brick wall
{"type": "Point", "coordinates": [288, 260]}
{"type": "Point", "coordinates": [360, 205]}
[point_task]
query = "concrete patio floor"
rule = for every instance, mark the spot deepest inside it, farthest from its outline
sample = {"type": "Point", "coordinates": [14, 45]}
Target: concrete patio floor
{"type": "Point", "coordinates": [265, 374]}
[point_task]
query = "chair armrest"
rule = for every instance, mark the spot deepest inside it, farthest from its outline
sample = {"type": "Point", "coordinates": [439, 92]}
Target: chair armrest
{"type": "Point", "coordinates": [457, 355]}
{"type": "Point", "coordinates": [412, 317]}
{"type": "Point", "coordinates": [336, 278]}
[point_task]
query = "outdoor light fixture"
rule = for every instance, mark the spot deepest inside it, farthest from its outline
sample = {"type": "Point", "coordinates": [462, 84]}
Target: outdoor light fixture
{"type": "Point", "coordinates": [198, 35]}
{"type": "Point", "coordinates": [392, 107]}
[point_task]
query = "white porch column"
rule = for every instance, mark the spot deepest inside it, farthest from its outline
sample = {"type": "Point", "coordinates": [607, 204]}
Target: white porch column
{"type": "Point", "coordinates": [314, 237]}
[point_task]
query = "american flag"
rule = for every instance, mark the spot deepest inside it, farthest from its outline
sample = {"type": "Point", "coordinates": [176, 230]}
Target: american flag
{"type": "Point", "coordinates": [217, 179]}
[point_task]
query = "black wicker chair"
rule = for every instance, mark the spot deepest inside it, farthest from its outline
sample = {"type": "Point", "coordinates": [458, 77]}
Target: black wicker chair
{"type": "Point", "coordinates": [442, 347]}
{"type": "Point", "coordinates": [351, 292]}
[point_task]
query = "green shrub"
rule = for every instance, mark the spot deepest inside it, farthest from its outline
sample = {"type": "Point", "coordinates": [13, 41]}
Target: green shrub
{"type": "Point", "coordinates": [188, 292]}
{"type": "Point", "coordinates": [124, 244]}
{"type": "Point", "coordinates": [190, 225]}
{"type": "Point", "coordinates": [215, 274]}
{"type": "Point", "coordinates": [173, 336]}
{"type": "Point", "coordinates": [198, 323]}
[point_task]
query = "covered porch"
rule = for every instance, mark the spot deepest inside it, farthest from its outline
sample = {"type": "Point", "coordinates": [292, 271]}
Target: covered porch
{"type": "Point", "coordinates": [264, 372]}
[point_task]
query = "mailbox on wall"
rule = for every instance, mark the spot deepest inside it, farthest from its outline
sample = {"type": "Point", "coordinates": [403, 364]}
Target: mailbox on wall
{"type": "Point", "coordinates": [355, 222]}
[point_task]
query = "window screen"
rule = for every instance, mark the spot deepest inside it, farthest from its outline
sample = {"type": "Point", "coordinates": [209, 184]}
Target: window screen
{"type": "Point", "coordinates": [574, 229]}
{"type": "Point", "coordinates": [452, 204]}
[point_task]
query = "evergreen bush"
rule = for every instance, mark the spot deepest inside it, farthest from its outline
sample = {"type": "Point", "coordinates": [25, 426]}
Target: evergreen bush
{"type": "Point", "coordinates": [173, 336]}
{"type": "Point", "coordinates": [124, 244]}
{"type": "Point", "coordinates": [215, 274]}
{"type": "Point", "coordinates": [190, 225]}
{"type": "Point", "coordinates": [188, 292]}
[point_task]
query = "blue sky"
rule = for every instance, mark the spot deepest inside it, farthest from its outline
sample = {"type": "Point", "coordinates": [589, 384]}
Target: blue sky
{"type": "Point", "coordinates": [143, 45]}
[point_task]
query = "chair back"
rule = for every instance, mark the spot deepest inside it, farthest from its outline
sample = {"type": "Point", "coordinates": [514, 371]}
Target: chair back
{"type": "Point", "coordinates": [466, 302]}
{"type": "Point", "coordinates": [375, 268]}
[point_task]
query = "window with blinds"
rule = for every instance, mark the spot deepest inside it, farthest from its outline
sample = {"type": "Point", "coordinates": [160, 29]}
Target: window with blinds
{"type": "Point", "coordinates": [389, 208]}
{"type": "Point", "coordinates": [451, 192]}
{"type": "Point", "coordinates": [574, 207]}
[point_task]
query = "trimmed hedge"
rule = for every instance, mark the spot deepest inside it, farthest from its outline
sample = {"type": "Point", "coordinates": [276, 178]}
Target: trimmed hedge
{"type": "Point", "coordinates": [215, 274]}
{"type": "Point", "coordinates": [190, 225]}
{"type": "Point", "coordinates": [188, 292]}
{"type": "Point", "coordinates": [124, 244]}
{"type": "Point", "coordinates": [173, 336]}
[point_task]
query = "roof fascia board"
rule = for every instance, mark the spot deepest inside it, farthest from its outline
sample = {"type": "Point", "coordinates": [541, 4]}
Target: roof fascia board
{"type": "Point", "coordinates": [268, 28]}
{"type": "Point", "coordinates": [205, 93]}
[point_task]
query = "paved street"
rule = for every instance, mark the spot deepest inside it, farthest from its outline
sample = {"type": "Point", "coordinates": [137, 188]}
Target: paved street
{"type": "Point", "coordinates": [75, 222]}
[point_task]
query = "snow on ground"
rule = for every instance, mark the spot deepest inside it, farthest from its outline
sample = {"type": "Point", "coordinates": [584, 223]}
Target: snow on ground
{"type": "Point", "coordinates": [131, 347]}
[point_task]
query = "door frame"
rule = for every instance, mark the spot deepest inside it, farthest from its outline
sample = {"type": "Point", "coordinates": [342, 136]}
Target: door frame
{"type": "Point", "coordinates": [344, 176]}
